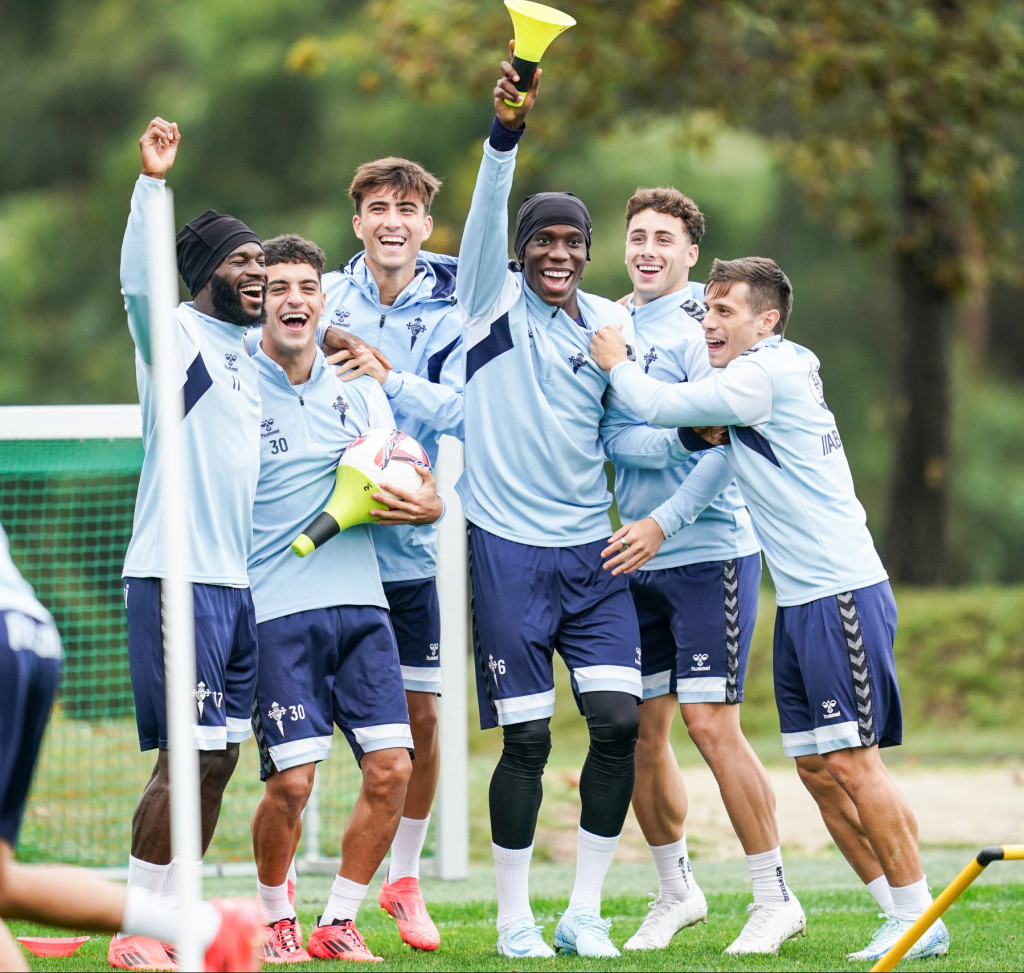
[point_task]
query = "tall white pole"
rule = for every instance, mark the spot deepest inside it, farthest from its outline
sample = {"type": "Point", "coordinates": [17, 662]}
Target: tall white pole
{"type": "Point", "coordinates": [452, 819]}
{"type": "Point", "coordinates": [177, 615]}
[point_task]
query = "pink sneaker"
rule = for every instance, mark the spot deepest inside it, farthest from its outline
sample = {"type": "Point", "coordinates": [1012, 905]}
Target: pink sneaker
{"type": "Point", "coordinates": [403, 900]}
{"type": "Point", "coordinates": [340, 940]}
{"type": "Point", "coordinates": [283, 943]}
{"type": "Point", "coordinates": [236, 947]}
{"type": "Point", "coordinates": [138, 953]}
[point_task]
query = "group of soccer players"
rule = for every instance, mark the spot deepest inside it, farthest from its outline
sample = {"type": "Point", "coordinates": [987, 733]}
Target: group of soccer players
{"type": "Point", "coordinates": [723, 447]}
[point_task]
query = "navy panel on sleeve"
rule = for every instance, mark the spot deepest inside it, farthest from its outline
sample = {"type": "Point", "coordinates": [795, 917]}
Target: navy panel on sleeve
{"type": "Point", "coordinates": [497, 342]}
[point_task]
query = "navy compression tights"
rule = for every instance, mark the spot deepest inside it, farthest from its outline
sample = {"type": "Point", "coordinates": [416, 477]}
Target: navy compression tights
{"type": "Point", "coordinates": [606, 783]}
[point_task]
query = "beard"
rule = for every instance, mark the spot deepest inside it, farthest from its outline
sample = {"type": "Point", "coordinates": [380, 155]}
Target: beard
{"type": "Point", "coordinates": [228, 305]}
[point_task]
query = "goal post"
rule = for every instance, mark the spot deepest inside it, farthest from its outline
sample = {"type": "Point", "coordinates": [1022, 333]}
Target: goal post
{"type": "Point", "coordinates": [68, 479]}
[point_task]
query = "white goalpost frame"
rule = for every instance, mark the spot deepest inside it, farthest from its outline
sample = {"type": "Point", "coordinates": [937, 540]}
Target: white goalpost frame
{"type": "Point", "coordinates": [177, 620]}
{"type": "Point", "coordinates": [451, 816]}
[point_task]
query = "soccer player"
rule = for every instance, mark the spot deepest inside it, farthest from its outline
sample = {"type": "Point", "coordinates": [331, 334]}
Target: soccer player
{"type": "Point", "coordinates": [221, 262]}
{"type": "Point", "coordinates": [400, 299]}
{"type": "Point", "coordinates": [30, 662]}
{"type": "Point", "coordinates": [694, 569]}
{"type": "Point", "coordinates": [835, 675]}
{"type": "Point", "coordinates": [327, 651]}
{"type": "Point", "coordinates": [535, 494]}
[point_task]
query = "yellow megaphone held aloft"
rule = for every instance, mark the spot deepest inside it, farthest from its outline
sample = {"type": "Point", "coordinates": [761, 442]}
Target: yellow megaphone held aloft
{"type": "Point", "coordinates": [536, 26]}
{"type": "Point", "coordinates": [350, 503]}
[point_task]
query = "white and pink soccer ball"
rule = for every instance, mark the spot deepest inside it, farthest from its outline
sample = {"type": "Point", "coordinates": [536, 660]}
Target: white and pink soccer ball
{"type": "Point", "coordinates": [387, 455]}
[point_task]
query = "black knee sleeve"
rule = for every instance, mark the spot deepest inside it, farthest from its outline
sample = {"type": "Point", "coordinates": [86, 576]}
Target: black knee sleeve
{"type": "Point", "coordinates": [606, 784]}
{"type": "Point", "coordinates": [516, 788]}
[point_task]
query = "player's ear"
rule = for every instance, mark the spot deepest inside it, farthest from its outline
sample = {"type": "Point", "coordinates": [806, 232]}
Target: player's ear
{"type": "Point", "coordinates": [769, 321]}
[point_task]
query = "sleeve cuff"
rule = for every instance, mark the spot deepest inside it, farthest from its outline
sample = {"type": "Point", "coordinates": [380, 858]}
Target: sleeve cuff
{"type": "Point", "coordinates": [692, 441]}
{"type": "Point", "coordinates": [504, 139]}
{"type": "Point", "coordinates": [393, 383]}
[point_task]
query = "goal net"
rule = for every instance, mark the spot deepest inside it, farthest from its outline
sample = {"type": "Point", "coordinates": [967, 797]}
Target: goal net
{"type": "Point", "coordinates": [68, 478]}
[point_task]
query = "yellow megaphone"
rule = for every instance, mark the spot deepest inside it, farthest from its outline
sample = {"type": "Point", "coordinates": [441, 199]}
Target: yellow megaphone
{"type": "Point", "coordinates": [350, 503]}
{"type": "Point", "coordinates": [536, 26]}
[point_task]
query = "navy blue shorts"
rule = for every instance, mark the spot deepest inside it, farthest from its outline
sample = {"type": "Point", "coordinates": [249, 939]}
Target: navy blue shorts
{"type": "Point", "coordinates": [696, 623]}
{"type": "Point", "coordinates": [530, 602]}
{"type": "Point", "coordinates": [416, 619]}
{"type": "Point", "coordinates": [835, 674]}
{"type": "Point", "coordinates": [30, 658]}
{"type": "Point", "coordinates": [225, 636]}
{"type": "Point", "coordinates": [326, 667]}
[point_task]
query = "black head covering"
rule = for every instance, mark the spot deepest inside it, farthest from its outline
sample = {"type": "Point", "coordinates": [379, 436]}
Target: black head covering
{"type": "Point", "coordinates": [205, 242]}
{"type": "Point", "coordinates": [549, 209]}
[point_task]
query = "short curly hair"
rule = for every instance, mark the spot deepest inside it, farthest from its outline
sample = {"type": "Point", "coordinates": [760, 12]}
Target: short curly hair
{"type": "Point", "coordinates": [665, 199]}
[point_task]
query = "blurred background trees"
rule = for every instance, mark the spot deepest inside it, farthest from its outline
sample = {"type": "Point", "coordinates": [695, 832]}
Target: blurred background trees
{"type": "Point", "coordinates": [870, 147]}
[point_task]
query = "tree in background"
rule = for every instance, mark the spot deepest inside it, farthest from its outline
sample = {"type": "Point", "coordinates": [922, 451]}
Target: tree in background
{"type": "Point", "coordinates": [928, 91]}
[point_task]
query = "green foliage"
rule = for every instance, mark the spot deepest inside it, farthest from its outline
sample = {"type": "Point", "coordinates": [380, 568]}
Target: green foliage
{"type": "Point", "coordinates": [764, 112]}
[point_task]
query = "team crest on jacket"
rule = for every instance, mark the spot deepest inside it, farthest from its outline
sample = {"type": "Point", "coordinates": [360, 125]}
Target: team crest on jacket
{"type": "Point", "coordinates": [577, 361]}
{"type": "Point", "coordinates": [341, 407]}
{"type": "Point", "coordinates": [817, 389]}
{"type": "Point", "coordinates": [649, 359]}
{"type": "Point", "coordinates": [416, 328]}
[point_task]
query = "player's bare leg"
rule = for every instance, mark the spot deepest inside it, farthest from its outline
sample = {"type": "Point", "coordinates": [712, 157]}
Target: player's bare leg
{"type": "Point", "coordinates": [890, 827]}
{"type": "Point", "coordinates": [886, 818]}
{"type": "Point", "coordinates": [660, 805]}
{"type": "Point", "coordinates": [277, 822]}
{"type": "Point", "coordinates": [368, 835]}
{"type": "Point", "coordinates": [746, 789]}
{"type": "Point", "coordinates": [276, 829]}
{"type": "Point", "coordinates": [400, 894]}
{"type": "Point", "coordinates": [659, 793]}
{"type": "Point", "coordinates": [151, 822]}
{"type": "Point", "coordinates": [58, 895]}
{"type": "Point", "coordinates": [840, 816]}
{"type": "Point", "coordinates": [419, 798]}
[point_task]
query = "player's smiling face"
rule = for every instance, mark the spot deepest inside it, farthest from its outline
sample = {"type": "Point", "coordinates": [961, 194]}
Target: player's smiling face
{"type": "Point", "coordinates": [392, 227]}
{"type": "Point", "coordinates": [730, 327]}
{"type": "Point", "coordinates": [237, 287]}
{"type": "Point", "coordinates": [295, 302]}
{"type": "Point", "coordinates": [553, 264]}
{"type": "Point", "coordinates": [659, 255]}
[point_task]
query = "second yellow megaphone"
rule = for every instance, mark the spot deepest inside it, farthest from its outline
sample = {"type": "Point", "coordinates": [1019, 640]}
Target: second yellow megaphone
{"type": "Point", "coordinates": [536, 26]}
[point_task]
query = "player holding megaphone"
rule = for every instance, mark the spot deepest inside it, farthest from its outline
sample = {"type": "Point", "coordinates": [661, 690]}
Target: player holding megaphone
{"type": "Point", "coordinates": [327, 650]}
{"type": "Point", "coordinates": [378, 456]}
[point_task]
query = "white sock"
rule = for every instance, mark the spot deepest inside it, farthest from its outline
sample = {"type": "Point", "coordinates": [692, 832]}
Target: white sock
{"type": "Point", "coordinates": [346, 897]}
{"type": "Point", "coordinates": [157, 916]}
{"type": "Point", "coordinates": [593, 856]}
{"type": "Point", "coordinates": [512, 870]}
{"type": "Point", "coordinates": [146, 875]}
{"type": "Point", "coordinates": [768, 878]}
{"type": "Point", "coordinates": [274, 902]}
{"type": "Point", "coordinates": [672, 863]}
{"type": "Point", "coordinates": [157, 879]}
{"type": "Point", "coordinates": [879, 889]}
{"type": "Point", "coordinates": [910, 901]}
{"type": "Point", "coordinates": [407, 848]}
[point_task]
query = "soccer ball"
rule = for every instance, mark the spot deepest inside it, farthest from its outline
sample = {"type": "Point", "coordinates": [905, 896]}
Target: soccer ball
{"type": "Point", "coordinates": [387, 455]}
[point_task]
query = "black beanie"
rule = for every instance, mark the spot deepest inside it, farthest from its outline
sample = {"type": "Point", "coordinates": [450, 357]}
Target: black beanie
{"type": "Point", "coordinates": [205, 242]}
{"type": "Point", "coordinates": [549, 209]}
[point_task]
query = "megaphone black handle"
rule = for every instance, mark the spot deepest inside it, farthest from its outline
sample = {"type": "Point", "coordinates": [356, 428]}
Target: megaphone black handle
{"type": "Point", "coordinates": [525, 70]}
{"type": "Point", "coordinates": [322, 529]}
